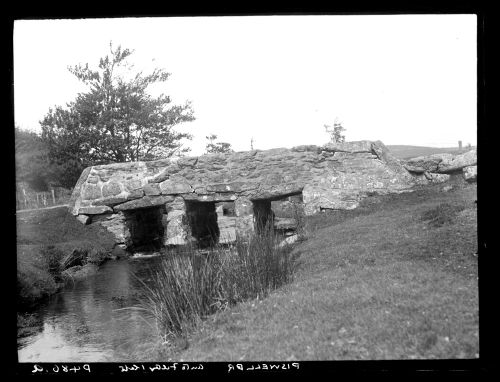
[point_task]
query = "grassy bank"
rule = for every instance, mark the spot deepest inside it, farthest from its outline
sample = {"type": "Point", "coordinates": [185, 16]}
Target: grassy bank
{"type": "Point", "coordinates": [48, 242]}
{"type": "Point", "coordinates": [395, 278]}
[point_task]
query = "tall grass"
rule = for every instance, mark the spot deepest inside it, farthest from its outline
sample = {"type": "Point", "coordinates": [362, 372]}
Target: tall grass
{"type": "Point", "coordinates": [187, 286]}
{"type": "Point", "coordinates": [300, 219]}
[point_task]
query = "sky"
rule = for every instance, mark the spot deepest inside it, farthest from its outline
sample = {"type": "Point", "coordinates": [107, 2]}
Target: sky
{"type": "Point", "coordinates": [401, 79]}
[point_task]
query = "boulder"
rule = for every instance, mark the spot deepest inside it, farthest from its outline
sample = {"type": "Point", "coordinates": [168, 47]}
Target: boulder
{"type": "Point", "coordinates": [445, 163]}
{"type": "Point", "coordinates": [349, 147]}
{"type": "Point", "coordinates": [289, 240]}
{"type": "Point", "coordinates": [436, 178]}
{"type": "Point", "coordinates": [111, 189]}
{"type": "Point", "coordinates": [317, 198]}
{"type": "Point", "coordinates": [76, 196]}
{"type": "Point", "coordinates": [422, 164]}
{"type": "Point", "coordinates": [116, 224]}
{"type": "Point", "coordinates": [420, 179]}
{"type": "Point", "coordinates": [458, 162]}
{"type": "Point", "coordinates": [243, 207]}
{"type": "Point", "coordinates": [227, 229]}
{"type": "Point", "coordinates": [152, 189]}
{"type": "Point", "coordinates": [171, 187]}
{"type": "Point", "coordinates": [91, 191]}
{"type": "Point", "coordinates": [147, 201]}
{"type": "Point", "coordinates": [84, 219]}
{"type": "Point", "coordinates": [215, 197]}
{"type": "Point", "coordinates": [470, 173]}
{"type": "Point", "coordinates": [176, 231]}
{"type": "Point", "coordinates": [244, 226]}
{"type": "Point", "coordinates": [110, 201]}
{"type": "Point", "coordinates": [94, 210]}
{"type": "Point", "coordinates": [228, 187]}
{"type": "Point", "coordinates": [285, 223]}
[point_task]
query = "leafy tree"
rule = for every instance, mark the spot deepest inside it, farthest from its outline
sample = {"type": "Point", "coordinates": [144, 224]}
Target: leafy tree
{"type": "Point", "coordinates": [32, 163]}
{"type": "Point", "coordinates": [217, 147]}
{"type": "Point", "coordinates": [336, 132]}
{"type": "Point", "coordinates": [115, 120]}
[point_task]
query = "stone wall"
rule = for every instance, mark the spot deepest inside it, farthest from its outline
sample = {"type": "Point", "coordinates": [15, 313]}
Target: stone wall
{"type": "Point", "coordinates": [333, 176]}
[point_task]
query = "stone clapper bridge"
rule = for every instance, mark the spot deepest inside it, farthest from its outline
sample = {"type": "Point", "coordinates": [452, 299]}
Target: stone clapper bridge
{"type": "Point", "coordinates": [216, 197]}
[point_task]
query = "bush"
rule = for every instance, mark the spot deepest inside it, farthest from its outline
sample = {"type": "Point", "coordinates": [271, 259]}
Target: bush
{"type": "Point", "coordinates": [97, 256]}
{"type": "Point", "coordinates": [52, 257]}
{"type": "Point", "coordinates": [186, 288]}
{"type": "Point", "coordinates": [81, 252]}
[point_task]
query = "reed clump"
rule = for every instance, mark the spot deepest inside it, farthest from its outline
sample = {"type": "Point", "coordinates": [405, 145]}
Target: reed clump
{"type": "Point", "coordinates": [189, 285]}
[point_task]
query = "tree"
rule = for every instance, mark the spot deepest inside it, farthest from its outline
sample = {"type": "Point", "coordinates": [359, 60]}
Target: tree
{"type": "Point", "coordinates": [116, 119]}
{"type": "Point", "coordinates": [32, 164]}
{"type": "Point", "coordinates": [217, 147]}
{"type": "Point", "coordinates": [336, 132]}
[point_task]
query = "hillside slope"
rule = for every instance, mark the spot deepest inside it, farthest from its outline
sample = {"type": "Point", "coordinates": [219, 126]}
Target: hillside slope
{"type": "Point", "coordinates": [406, 152]}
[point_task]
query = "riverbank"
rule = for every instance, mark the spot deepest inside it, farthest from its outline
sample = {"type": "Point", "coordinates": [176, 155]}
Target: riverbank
{"type": "Point", "coordinates": [395, 278]}
{"type": "Point", "coordinates": [54, 248]}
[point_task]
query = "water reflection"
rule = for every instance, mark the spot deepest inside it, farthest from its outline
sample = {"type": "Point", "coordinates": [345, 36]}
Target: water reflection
{"type": "Point", "coordinates": [86, 321]}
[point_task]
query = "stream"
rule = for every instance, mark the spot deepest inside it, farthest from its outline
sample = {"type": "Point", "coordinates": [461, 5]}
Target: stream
{"type": "Point", "coordinates": [86, 322]}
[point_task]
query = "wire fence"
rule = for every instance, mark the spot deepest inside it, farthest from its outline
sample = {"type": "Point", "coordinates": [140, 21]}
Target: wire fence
{"type": "Point", "coordinates": [27, 199]}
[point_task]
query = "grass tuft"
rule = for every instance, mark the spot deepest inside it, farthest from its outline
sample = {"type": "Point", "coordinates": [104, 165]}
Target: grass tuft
{"type": "Point", "coordinates": [442, 214]}
{"type": "Point", "coordinates": [187, 287]}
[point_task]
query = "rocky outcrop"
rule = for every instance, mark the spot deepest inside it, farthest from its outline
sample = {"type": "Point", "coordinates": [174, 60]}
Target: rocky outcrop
{"type": "Point", "coordinates": [437, 168]}
{"type": "Point", "coordinates": [420, 165]}
{"type": "Point", "coordinates": [436, 178]}
{"type": "Point", "coordinates": [470, 173]}
{"type": "Point", "coordinates": [333, 176]}
{"type": "Point", "coordinates": [441, 163]}
{"type": "Point", "coordinates": [457, 162]}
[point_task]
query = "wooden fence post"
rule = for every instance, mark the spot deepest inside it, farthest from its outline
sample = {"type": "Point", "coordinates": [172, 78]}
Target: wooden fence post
{"type": "Point", "coordinates": [25, 201]}
{"type": "Point", "coordinates": [53, 197]}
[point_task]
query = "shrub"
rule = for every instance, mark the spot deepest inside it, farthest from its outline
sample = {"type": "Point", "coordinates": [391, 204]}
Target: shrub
{"type": "Point", "coordinates": [81, 252]}
{"type": "Point", "coordinates": [52, 256]}
{"type": "Point", "coordinates": [97, 256]}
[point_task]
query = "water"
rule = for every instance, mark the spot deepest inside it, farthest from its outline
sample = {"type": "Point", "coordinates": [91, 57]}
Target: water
{"type": "Point", "coordinates": [86, 322]}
